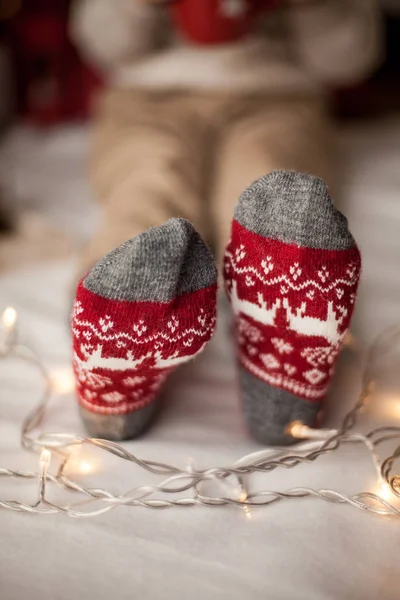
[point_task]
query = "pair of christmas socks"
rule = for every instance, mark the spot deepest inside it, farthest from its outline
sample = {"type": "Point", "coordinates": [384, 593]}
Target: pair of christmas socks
{"type": "Point", "coordinates": [291, 271]}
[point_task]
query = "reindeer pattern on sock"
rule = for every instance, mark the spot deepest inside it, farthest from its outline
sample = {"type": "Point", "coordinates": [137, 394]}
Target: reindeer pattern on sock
{"type": "Point", "coordinates": [300, 309]}
{"type": "Point", "coordinates": [106, 366]}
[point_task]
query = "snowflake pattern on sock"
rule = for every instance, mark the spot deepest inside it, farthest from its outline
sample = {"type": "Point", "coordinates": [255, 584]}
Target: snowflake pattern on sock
{"type": "Point", "coordinates": [123, 351]}
{"type": "Point", "coordinates": [293, 307]}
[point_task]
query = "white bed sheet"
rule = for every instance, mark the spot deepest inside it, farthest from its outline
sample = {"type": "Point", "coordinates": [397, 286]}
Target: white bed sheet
{"type": "Point", "coordinates": [300, 550]}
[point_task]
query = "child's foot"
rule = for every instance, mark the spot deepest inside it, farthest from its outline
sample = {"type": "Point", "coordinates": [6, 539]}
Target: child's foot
{"type": "Point", "coordinates": [144, 309]}
{"type": "Point", "coordinates": [291, 272]}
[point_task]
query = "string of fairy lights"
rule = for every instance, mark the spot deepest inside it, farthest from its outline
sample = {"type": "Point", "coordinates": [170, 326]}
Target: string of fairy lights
{"type": "Point", "coordinates": [62, 454]}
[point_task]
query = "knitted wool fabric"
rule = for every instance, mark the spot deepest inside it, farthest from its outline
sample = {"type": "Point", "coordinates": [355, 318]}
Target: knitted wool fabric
{"type": "Point", "coordinates": [144, 309]}
{"type": "Point", "coordinates": [291, 271]}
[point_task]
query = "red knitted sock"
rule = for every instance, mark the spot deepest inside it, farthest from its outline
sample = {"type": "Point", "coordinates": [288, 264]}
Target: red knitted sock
{"type": "Point", "coordinates": [147, 307]}
{"type": "Point", "coordinates": [291, 271]}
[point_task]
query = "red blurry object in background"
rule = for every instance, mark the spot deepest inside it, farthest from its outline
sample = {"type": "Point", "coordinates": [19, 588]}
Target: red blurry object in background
{"type": "Point", "coordinates": [217, 21]}
{"type": "Point", "coordinates": [52, 84]}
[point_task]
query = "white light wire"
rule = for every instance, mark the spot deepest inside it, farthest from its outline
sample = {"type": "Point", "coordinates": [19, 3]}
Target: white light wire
{"type": "Point", "coordinates": [96, 501]}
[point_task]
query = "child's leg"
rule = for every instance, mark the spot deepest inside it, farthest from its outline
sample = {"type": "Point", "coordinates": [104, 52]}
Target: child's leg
{"type": "Point", "coordinates": [283, 376]}
{"type": "Point", "coordinates": [149, 304]}
{"type": "Point", "coordinates": [146, 166]}
{"type": "Point", "coordinates": [268, 135]}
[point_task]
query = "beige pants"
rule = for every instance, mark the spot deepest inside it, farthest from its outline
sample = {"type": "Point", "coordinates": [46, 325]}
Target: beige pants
{"type": "Point", "coordinates": [159, 155]}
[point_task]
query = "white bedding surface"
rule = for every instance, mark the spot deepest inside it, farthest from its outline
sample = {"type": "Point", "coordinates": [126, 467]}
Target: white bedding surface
{"type": "Point", "coordinates": [300, 550]}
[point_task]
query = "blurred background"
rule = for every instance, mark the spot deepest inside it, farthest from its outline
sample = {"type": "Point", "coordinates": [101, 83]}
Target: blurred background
{"type": "Point", "coordinates": [47, 92]}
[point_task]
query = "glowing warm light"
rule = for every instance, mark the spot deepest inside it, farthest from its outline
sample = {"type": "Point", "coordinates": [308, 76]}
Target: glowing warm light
{"type": "Point", "coordinates": [386, 406]}
{"type": "Point", "coordinates": [302, 432]}
{"type": "Point", "coordinates": [45, 459]}
{"type": "Point", "coordinates": [9, 318]}
{"type": "Point", "coordinates": [243, 496]}
{"type": "Point", "coordinates": [395, 407]}
{"type": "Point", "coordinates": [296, 429]}
{"type": "Point", "coordinates": [62, 381]}
{"type": "Point", "coordinates": [83, 465]}
{"type": "Point", "coordinates": [246, 509]}
{"type": "Point", "coordinates": [385, 492]}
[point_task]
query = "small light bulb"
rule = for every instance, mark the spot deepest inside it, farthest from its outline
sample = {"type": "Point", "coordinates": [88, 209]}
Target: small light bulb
{"type": "Point", "coordinates": [385, 492]}
{"type": "Point", "coordinates": [297, 429]}
{"type": "Point", "coordinates": [62, 381]}
{"type": "Point", "coordinates": [9, 318]}
{"type": "Point", "coordinates": [85, 467]}
{"type": "Point", "coordinates": [45, 459]}
{"type": "Point", "coordinates": [80, 464]}
{"type": "Point", "coordinates": [302, 432]}
{"type": "Point", "coordinates": [246, 509]}
{"type": "Point", "coordinates": [243, 496]}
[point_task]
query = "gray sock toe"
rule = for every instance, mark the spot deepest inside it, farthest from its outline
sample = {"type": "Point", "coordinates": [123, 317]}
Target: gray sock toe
{"type": "Point", "coordinates": [294, 208]}
{"type": "Point", "coordinates": [156, 266]}
{"type": "Point", "coordinates": [269, 410]}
